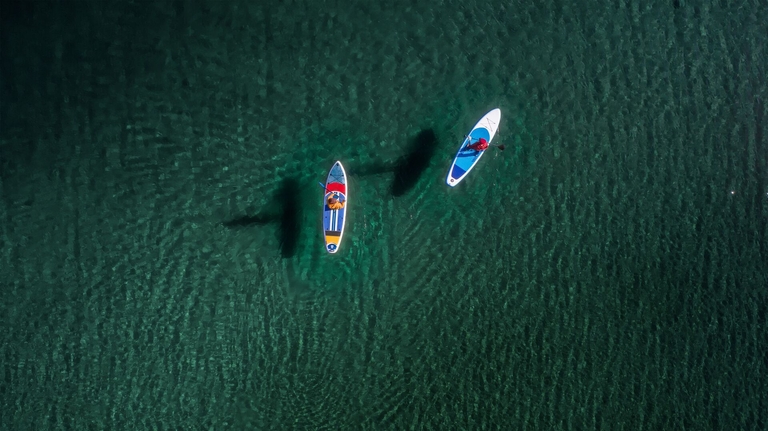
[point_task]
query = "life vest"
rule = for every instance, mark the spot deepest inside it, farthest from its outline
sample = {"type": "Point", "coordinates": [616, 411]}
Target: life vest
{"type": "Point", "coordinates": [335, 205]}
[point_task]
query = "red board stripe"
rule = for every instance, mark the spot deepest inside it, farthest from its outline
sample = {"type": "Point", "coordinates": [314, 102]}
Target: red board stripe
{"type": "Point", "coordinates": [336, 187]}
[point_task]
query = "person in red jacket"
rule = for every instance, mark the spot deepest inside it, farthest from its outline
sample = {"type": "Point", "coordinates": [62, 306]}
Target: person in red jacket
{"type": "Point", "coordinates": [480, 145]}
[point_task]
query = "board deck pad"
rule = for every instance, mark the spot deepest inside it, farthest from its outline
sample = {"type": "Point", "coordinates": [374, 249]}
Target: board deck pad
{"type": "Point", "coordinates": [333, 220]}
{"type": "Point", "coordinates": [466, 159]}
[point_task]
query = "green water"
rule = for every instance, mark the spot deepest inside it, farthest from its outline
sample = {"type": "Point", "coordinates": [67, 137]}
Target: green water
{"type": "Point", "coordinates": [161, 259]}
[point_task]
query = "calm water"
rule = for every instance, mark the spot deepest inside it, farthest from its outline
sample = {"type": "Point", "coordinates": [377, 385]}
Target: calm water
{"type": "Point", "coordinates": [161, 260]}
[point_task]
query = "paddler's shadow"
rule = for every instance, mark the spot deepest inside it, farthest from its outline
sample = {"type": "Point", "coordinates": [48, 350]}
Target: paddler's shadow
{"type": "Point", "coordinates": [287, 214]}
{"type": "Point", "coordinates": [408, 168]}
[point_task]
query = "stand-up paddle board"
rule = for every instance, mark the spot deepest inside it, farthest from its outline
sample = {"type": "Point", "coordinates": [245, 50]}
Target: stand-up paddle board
{"type": "Point", "coordinates": [466, 159]}
{"type": "Point", "coordinates": [334, 213]}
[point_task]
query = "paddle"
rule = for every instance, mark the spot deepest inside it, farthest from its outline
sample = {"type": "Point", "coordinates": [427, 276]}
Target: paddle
{"type": "Point", "coordinates": [326, 189]}
{"type": "Point", "coordinates": [500, 146]}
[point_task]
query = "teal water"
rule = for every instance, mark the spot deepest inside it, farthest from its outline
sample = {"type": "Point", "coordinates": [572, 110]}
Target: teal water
{"type": "Point", "coordinates": [161, 260]}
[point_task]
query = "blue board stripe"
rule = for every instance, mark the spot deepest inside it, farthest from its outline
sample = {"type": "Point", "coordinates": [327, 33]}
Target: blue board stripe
{"type": "Point", "coordinates": [457, 171]}
{"type": "Point", "coordinates": [467, 158]}
{"type": "Point", "coordinates": [333, 219]}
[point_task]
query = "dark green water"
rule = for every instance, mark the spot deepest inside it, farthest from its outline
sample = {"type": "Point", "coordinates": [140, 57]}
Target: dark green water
{"type": "Point", "coordinates": [161, 261]}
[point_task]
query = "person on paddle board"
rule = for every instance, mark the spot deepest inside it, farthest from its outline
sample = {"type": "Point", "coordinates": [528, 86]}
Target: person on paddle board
{"type": "Point", "coordinates": [480, 145]}
{"type": "Point", "coordinates": [334, 203]}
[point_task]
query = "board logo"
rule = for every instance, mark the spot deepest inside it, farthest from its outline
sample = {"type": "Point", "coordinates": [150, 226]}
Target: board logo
{"type": "Point", "coordinates": [331, 247]}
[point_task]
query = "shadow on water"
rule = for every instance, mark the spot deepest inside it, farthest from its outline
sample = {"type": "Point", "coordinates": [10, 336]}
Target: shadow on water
{"type": "Point", "coordinates": [408, 168]}
{"type": "Point", "coordinates": [290, 220]}
{"type": "Point", "coordinates": [287, 199]}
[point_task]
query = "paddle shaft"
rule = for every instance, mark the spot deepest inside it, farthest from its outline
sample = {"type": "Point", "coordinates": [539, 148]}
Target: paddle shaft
{"type": "Point", "coordinates": [325, 188]}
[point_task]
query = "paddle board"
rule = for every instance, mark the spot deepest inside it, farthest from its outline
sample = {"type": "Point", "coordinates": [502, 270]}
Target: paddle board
{"type": "Point", "coordinates": [466, 159]}
{"type": "Point", "coordinates": [333, 219]}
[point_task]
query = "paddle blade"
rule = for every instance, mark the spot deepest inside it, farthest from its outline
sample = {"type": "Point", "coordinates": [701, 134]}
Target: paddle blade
{"type": "Point", "coordinates": [501, 147]}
